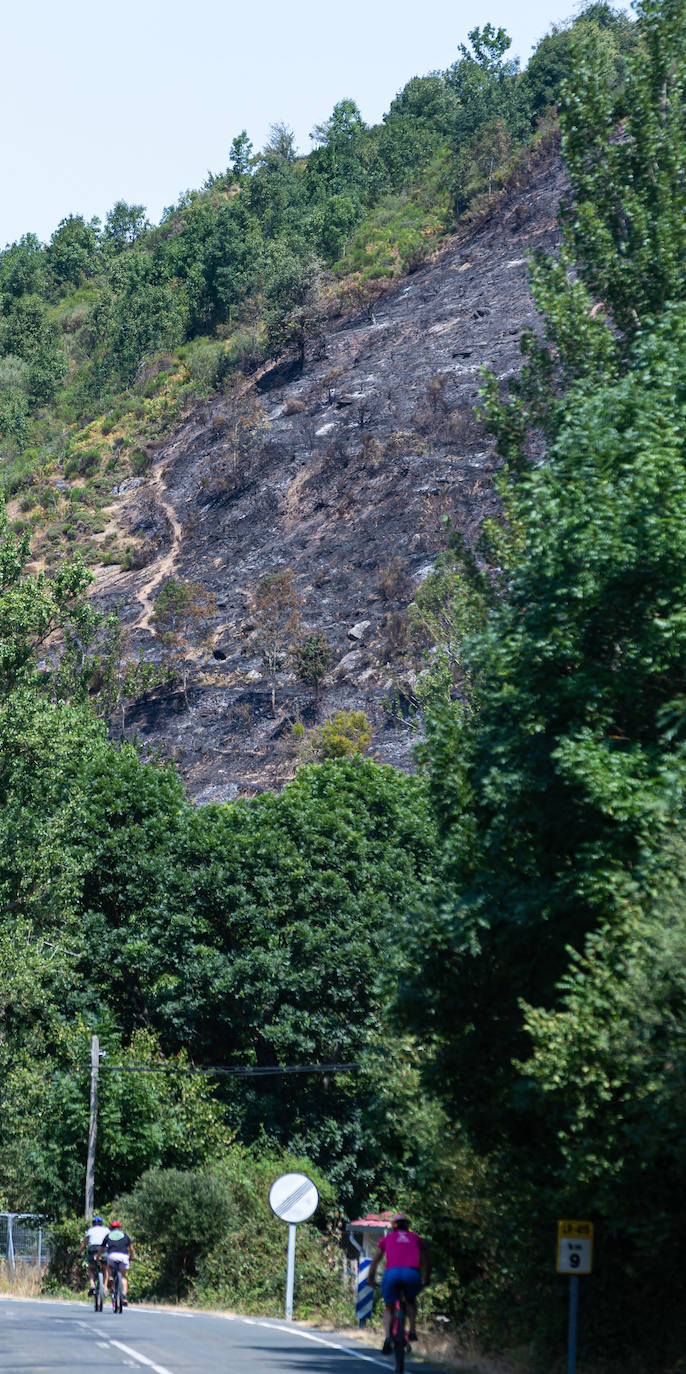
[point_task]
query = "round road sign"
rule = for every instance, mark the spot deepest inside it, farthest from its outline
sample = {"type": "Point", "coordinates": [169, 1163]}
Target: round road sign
{"type": "Point", "coordinates": [293, 1197]}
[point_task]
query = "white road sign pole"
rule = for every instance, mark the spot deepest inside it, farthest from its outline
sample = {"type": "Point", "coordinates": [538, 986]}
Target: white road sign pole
{"type": "Point", "coordinates": [290, 1271]}
{"type": "Point", "coordinates": [293, 1198]}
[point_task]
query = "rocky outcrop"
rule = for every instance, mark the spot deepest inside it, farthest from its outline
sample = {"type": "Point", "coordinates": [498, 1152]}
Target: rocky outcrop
{"type": "Point", "coordinates": [344, 474]}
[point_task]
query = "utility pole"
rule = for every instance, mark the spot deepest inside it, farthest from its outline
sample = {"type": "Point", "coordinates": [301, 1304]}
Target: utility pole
{"type": "Point", "coordinates": [92, 1127]}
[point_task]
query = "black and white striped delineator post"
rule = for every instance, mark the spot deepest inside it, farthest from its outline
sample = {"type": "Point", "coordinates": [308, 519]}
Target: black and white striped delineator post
{"type": "Point", "coordinates": [293, 1198]}
{"type": "Point", "coordinates": [365, 1295]}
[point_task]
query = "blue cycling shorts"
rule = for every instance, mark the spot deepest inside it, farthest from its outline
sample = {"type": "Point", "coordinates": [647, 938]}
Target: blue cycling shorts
{"type": "Point", "coordinates": [410, 1279]}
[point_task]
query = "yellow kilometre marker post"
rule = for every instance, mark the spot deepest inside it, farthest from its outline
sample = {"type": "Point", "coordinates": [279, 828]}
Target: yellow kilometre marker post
{"type": "Point", "coordinates": [574, 1257]}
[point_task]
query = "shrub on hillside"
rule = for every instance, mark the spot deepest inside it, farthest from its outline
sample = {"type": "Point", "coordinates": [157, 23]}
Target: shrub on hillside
{"type": "Point", "coordinates": [178, 1214]}
{"type": "Point", "coordinates": [83, 462]}
{"type": "Point", "coordinates": [341, 736]}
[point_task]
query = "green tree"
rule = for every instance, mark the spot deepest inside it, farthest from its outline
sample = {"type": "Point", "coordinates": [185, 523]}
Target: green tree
{"type": "Point", "coordinates": [72, 254]}
{"type": "Point", "coordinates": [623, 236]}
{"type": "Point", "coordinates": [123, 225]}
{"type": "Point", "coordinates": [627, 232]}
{"type": "Point", "coordinates": [338, 165]}
{"type": "Point", "coordinates": [419, 122]}
{"type": "Point", "coordinates": [333, 223]}
{"type": "Point", "coordinates": [182, 619]}
{"type": "Point", "coordinates": [141, 311]}
{"type": "Point", "coordinates": [22, 267]}
{"type": "Point", "coordinates": [14, 408]}
{"type": "Point", "coordinates": [169, 1209]}
{"type": "Point", "coordinates": [606, 1079]}
{"type": "Point", "coordinates": [276, 611]}
{"type": "Point", "coordinates": [551, 63]}
{"type": "Point", "coordinates": [241, 155]}
{"type": "Point", "coordinates": [280, 146]}
{"type": "Point", "coordinates": [572, 766]}
{"type": "Point", "coordinates": [27, 332]}
{"type": "Point", "coordinates": [230, 258]}
{"type": "Point", "coordinates": [560, 795]}
{"type": "Point", "coordinates": [486, 85]}
{"type": "Point", "coordinates": [276, 192]}
{"type": "Point", "coordinates": [119, 675]}
{"type": "Point", "coordinates": [483, 161]}
{"type": "Point", "coordinates": [145, 1120]}
{"type": "Point", "coordinates": [294, 290]}
{"type": "Point", "coordinates": [311, 660]}
{"type": "Point", "coordinates": [33, 609]}
{"type": "Point", "coordinates": [451, 604]}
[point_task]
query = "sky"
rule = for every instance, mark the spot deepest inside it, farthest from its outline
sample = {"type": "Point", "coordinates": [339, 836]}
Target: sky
{"type": "Point", "coordinates": [140, 99]}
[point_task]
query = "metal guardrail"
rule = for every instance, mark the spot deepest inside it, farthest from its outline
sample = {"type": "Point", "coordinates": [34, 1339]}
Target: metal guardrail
{"type": "Point", "coordinates": [24, 1239]}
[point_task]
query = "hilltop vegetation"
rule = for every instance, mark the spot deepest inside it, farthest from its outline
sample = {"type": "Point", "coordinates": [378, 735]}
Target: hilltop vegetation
{"type": "Point", "coordinates": [498, 942]}
{"type": "Point", "coordinates": [108, 331]}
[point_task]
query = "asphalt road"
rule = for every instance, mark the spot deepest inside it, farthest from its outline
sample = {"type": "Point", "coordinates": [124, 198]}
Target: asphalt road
{"type": "Point", "coordinates": [41, 1337]}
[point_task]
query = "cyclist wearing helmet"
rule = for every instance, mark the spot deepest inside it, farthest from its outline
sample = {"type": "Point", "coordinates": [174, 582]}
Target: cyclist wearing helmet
{"type": "Point", "coordinates": [407, 1264]}
{"type": "Point", "coordinates": [93, 1239]}
{"type": "Point", "coordinates": [118, 1249]}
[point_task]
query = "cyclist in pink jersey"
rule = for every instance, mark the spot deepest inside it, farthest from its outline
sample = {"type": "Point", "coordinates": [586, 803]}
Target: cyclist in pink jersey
{"type": "Point", "coordinates": [407, 1264]}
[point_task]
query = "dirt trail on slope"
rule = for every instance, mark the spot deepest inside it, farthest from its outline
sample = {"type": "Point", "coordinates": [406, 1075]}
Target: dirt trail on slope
{"type": "Point", "coordinates": [164, 565]}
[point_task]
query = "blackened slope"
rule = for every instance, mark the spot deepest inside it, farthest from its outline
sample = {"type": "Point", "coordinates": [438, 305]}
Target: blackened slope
{"type": "Point", "coordinates": [355, 463]}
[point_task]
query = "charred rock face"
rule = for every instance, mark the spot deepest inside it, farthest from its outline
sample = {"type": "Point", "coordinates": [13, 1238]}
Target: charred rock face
{"type": "Point", "coordinates": [343, 472]}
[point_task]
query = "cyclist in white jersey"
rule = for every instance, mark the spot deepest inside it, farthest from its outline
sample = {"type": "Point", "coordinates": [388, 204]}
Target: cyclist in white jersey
{"type": "Point", "coordinates": [95, 1236]}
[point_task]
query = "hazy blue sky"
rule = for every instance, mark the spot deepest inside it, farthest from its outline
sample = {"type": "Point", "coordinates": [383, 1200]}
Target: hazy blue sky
{"type": "Point", "coordinates": [138, 99]}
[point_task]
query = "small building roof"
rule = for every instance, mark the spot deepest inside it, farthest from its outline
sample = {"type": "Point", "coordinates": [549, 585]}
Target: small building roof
{"type": "Point", "coordinates": [374, 1221]}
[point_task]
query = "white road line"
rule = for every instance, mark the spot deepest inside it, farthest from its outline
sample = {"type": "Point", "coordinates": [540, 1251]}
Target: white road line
{"type": "Point", "coordinates": [168, 1311]}
{"type": "Point", "coordinates": [225, 1316]}
{"type": "Point", "coordinates": [321, 1340]}
{"type": "Point", "coordinates": [143, 1359]}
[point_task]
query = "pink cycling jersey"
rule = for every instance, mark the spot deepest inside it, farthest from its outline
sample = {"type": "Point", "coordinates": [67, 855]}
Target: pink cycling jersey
{"type": "Point", "coordinates": [402, 1249]}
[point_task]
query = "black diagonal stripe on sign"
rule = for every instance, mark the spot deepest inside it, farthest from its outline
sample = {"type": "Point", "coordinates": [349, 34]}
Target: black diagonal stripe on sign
{"type": "Point", "coordinates": [295, 1197]}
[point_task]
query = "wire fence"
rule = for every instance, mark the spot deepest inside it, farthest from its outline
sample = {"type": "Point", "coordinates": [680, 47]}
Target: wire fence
{"type": "Point", "coordinates": [24, 1239]}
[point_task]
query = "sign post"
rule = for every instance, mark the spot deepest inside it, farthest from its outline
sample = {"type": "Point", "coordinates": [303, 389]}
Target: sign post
{"type": "Point", "coordinates": [365, 1295]}
{"type": "Point", "coordinates": [574, 1257]}
{"type": "Point", "coordinates": [292, 1198]}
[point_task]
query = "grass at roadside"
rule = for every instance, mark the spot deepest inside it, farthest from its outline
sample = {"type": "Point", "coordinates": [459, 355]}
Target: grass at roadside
{"type": "Point", "coordinates": [24, 1281]}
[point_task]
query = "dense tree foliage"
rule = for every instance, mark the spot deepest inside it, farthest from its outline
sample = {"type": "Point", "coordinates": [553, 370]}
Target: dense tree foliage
{"type": "Point", "coordinates": [241, 935]}
{"type": "Point", "coordinates": [551, 966]}
{"type": "Point", "coordinates": [526, 895]}
{"type": "Point", "coordinates": [572, 760]}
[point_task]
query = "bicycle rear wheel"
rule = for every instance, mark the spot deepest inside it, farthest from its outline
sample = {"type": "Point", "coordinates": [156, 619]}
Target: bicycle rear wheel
{"type": "Point", "coordinates": [116, 1290]}
{"type": "Point", "coordinates": [99, 1290]}
{"type": "Point", "coordinates": [399, 1338]}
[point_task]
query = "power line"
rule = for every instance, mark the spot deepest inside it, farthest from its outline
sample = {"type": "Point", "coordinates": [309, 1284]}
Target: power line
{"type": "Point", "coordinates": [247, 1071]}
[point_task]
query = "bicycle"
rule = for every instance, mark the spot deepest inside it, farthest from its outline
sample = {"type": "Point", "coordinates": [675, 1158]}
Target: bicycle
{"type": "Point", "coordinates": [399, 1338]}
{"type": "Point", "coordinates": [99, 1288]}
{"type": "Point", "coordinates": [117, 1288]}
